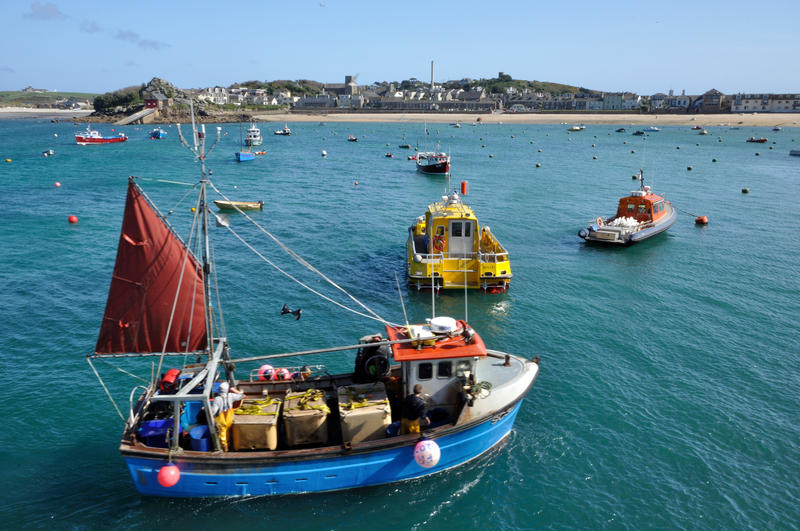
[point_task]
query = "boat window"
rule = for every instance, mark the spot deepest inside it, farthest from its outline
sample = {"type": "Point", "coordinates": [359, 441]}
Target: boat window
{"type": "Point", "coordinates": [456, 229]}
{"type": "Point", "coordinates": [424, 371]}
{"type": "Point", "coordinates": [444, 369]}
{"type": "Point", "coordinates": [467, 231]}
{"type": "Point", "coordinates": [462, 367]}
{"type": "Point", "coordinates": [642, 209]}
{"type": "Point", "coordinates": [630, 207]}
{"type": "Point", "coordinates": [440, 230]}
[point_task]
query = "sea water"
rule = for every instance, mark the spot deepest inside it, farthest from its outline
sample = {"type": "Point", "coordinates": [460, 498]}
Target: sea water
{"type": "Point", "coordinates": [667, 396]}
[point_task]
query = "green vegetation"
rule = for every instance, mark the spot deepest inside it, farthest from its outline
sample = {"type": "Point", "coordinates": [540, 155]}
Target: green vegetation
{"type": "Point", "coordinates": [43, 99]}
{"type": "Point", "coordinates": [126, 97]}
{"type": "Point", "coordinates": [499, 84]}
{"type": "Point", "coordinates": [301, 87]}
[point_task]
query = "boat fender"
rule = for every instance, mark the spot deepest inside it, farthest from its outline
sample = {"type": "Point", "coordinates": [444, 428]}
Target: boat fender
{"type": "Point", "coordinates": [583, 233]}
{"type": "Point", "coordinates": [168, 383]}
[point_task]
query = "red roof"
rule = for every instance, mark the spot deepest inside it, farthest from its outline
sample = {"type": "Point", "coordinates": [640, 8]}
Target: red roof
{"type": "Point", "coordinates": [446, 346]}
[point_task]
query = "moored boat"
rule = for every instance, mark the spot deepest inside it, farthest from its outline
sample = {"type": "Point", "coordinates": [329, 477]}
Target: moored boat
{"type": "Point", "coordinates": [639, 216]}
{"type": "Point", "coordinates": [91, 136]}
{"type": "Point", "coordinates": [298, 429]}
{"type": "Point", "coordinates": [158, 133]}
{"type": "Point", "coordinates": [794, 152]}
{"type": "Point", "coordinates": [239, 205]}
{"type": "Point", "coordinates": [285, 131]}
{"type": "Point", "coordinates": [755, 140]}
{"type": "Point", "coordinates": [620, 130]}
{"type": "Point", "coordinates": [697, 127]}
{"type": "Point", "coordinates": [351, 138]}
{"type": "Point", "coordinates": [448, 249]}
{"type": "Point", "coordinates": [244, 155]}
{"type": "Point", "coordinates": [253, 137]}
{"type": "Point", "coordinates": [433, 162]}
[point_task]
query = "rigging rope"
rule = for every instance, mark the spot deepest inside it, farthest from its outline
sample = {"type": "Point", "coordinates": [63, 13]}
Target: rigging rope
{"type": "Point", "coordinates": [309, 288]}
{"type": "Point", "coordinates": [302, 262]}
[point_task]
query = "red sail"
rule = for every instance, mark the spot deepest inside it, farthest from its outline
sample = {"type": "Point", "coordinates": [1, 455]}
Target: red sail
{"type": "Point", "coordinates": [147, 276]}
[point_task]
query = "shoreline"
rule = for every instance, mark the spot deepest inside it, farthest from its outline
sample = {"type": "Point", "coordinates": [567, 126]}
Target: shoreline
{"type": "Point", "coordinates": [706, 120]}
{"type": "Point", "coordinates": [467, 119]}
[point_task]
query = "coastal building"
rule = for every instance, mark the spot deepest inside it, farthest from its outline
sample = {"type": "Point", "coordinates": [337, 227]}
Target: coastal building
{"type": "Point", "coordinates": [612, 101]}
{"type": "Point", "coordinates": [765, 103]}
{"type": "Point", "coordinates": [657, 101]}
{"type": "Point", "coordinates": [713, 101]}
{"type": "Point", "coordinates": [631, 102]}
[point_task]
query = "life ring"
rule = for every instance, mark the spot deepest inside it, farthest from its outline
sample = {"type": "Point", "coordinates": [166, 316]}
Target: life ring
{"type": "Point", "coordinates": [599, 222]}
{"type": "Point", "coordinates": [438, 243]}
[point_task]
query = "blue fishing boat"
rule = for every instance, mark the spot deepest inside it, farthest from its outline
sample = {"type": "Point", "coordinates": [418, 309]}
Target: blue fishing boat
{"type": "Point", "coordinates": [244, 155]}
{"type": "Point", "coordinates": [158, 133]}
{"type": "Point", "coordinates": [296, 429]}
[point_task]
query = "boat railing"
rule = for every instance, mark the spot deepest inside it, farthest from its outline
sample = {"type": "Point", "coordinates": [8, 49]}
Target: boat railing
{"type": "Point", "coordinates": [289, 374]}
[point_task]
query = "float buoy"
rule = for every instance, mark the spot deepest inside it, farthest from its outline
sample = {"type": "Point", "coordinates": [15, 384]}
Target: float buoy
{"type": "Point", "coordinates": [427, 453]}
{"type": "Point", "coordinates": [282, 374]}
{"type": "Point", "coordinates": [757, 153]}
{"type": "Point", "coordinates": [745, 190]}
{"type": "Point", "coordinates": [169, 475]}
{"type": "Point", "coordinates": [595, 157]}
{"type": "Point", "coordinates": [355, 184]}
{"type": "Point", "coordinates": [57, 184]}
{"type": "Point", "coordinates": [688, 168]}
{"type": "Point", "coordinates": [677, 147]}
{"type": "Point", "coordinates": [265, 372]}
{"type": "Point", "coordinates": [538, 165]}
{"type": "Point", "coordinates": [8, 160]}
{"type": "Point", "coordinates": [463, 187]}
{"type": "Point", "coordinates": [491, 156]}
{"type": "Point", "coordinates": [701, 220]}
{"type": "Point", "coordinates": [633, 151]}
{"type": "Point", "coordinates": [73, 219]}
{"type": "Point", "coordinates": [193, 209]}
{"type": "Point", "coordinates": [713, 160]}
{"type": "Point", "coordinates": [540, 150]}
{"type": "Point", "coordinates": [634, 176]}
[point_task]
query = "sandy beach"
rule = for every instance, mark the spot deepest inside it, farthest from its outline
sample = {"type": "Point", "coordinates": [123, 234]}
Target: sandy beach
{"type": "Point", "coordinates": [763, 119]}
{"type": "Point", "coordinates": [14, 113]}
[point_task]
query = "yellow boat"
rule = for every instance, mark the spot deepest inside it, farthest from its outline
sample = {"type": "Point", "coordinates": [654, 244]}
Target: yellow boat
{"type": "Point", "coordinates": [239, 205]}
{"type": "Point", "coordinates": [448, 249]}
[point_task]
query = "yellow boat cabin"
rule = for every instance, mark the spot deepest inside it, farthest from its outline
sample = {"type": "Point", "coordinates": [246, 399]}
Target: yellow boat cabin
{"type": "Point", "coordinates": [448, 249]}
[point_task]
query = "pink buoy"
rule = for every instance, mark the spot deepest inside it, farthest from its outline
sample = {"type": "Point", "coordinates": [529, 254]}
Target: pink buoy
{"type": "Point", "coordinates": [427, 453]}
{"type": "Point", "coordinates": [169, 475]}
{"type": "Point", "coordinates": [73, 219]}
{"type": "Point", "coordinates": [265, 372]}
{"type": "Point", "coordinates": [58, 184]}
{"type": "Point", "coordinates": [282, 374]}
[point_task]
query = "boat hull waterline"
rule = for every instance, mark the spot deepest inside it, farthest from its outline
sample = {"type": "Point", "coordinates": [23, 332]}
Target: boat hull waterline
{"type": "Point", "coordinates": [243, 476]}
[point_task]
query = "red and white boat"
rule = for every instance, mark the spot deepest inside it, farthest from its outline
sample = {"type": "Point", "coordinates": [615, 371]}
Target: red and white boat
{"type": "Point", "coordinates": [436, 162]}
{"type": "Point", "coordinates": [90, 136]}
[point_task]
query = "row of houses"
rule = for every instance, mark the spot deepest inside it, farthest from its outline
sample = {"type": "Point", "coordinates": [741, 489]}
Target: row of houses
{"type": "Point", "coordinates": [433, 98]}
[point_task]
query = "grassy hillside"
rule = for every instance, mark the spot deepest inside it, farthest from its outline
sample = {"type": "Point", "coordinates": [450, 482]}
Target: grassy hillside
{"type": "Point", "coordinates": [18, 98]}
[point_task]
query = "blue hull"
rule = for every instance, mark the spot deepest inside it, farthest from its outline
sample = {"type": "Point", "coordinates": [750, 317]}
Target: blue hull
{"type": "Point", "coordinates": [242, 156]}
{"type": "Point", "coordinates": [227, 477]}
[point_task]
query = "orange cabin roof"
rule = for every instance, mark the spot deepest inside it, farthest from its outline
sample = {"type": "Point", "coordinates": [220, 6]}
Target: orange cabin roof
{"type": "Point", "coordinates": [453, 346]}
{"type": "Point", "coordinates": [647, 201]}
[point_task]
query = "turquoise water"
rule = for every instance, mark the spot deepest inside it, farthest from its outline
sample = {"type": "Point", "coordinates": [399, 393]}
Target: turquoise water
{"type": "Point", "coordinates": [667, 396]}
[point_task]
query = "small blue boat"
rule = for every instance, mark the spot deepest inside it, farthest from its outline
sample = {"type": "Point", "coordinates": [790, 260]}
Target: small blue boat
{"type": "Point", "coordinates": [243, 156]}
{"type": "Point", "coordinates": [158, 133]}
{"type": "Point", "coordinates": [295, 429]}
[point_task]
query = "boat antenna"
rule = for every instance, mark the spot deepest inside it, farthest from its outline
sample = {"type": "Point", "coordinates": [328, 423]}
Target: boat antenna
{"type": "Point", "coordinates": [400, 294]}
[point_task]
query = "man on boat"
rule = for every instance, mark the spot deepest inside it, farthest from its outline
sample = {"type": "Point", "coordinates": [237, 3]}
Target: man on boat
{"type": "Point", "coordinates": [413, 410]}
{"type": "Point", "coordinates": [222, 410]}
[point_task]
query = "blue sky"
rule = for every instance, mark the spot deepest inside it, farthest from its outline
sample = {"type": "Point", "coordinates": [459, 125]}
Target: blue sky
{"type": "Point", "coordinates": [641, 46]}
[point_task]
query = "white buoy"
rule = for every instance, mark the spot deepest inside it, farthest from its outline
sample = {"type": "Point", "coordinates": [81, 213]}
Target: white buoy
{"type": "Point", "coordinates": [427, 453]}
{"type": "Point", "coordinates": [324, 153]}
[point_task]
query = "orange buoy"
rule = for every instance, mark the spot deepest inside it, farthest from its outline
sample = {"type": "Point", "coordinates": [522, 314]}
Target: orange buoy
{"type": "Point", "coordinates": [73, 219]}
{"type": "Point", "coordinates": [355, 184]}
{"type": "Point", "coordinates": [57, 184]}
{"type": "Point", "coordinates": [701, 220]}
{"type": "Point", "coordinates": [463, 187]}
